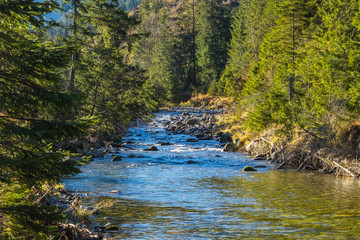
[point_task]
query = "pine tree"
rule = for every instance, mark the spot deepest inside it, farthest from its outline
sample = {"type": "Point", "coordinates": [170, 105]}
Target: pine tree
{"type": "Point", "coordinates": [211, 41]}
{"type": "Point", "coordinates": [34, 114]}
{"type": "Point", "coordinates": [329, 71]}
{"type": "Point", "coordinates": [249, 26]}
{"type": "Point", "coordinates": [114, 89]}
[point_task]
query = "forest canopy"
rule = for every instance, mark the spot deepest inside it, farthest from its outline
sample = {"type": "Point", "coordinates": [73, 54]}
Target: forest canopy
{"type": "Point", "coordinates": [290, 66]}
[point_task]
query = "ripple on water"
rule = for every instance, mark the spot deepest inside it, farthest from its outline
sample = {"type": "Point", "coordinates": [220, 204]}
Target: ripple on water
{"type": "Point", "coordinates": [160, 196]}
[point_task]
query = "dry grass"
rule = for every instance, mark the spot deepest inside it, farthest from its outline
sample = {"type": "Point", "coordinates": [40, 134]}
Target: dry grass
{"type": "Point", "coordinates": [209, 102]}
{"type": "Point", "coordinates": [336, 154]}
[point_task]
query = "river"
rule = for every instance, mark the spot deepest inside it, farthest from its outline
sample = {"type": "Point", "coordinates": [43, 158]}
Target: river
{"type": "Point", "coordinates": [159, 195]}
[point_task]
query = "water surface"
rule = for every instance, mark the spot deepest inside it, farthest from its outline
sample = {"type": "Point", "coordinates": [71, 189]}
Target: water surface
{"type": "Point", "coordinates": [160, 196]}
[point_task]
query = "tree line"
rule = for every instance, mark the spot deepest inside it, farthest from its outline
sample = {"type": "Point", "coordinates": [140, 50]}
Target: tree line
{"type": "Point", "coordinates": [288, 64]}
{"type": "Point", "coordinates": [57, 88]}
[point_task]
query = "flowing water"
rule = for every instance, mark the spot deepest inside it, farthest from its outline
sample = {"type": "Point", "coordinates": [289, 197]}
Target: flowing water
{"type": "Point", "coordinates": [159, 195]}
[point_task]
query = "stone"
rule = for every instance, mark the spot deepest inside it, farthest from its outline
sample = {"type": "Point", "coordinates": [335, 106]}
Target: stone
{"type": "Point", "coordinates": [205, 138]}
{"type": "Point", "coordinates": [116, 159]}
{"type": "Point", "coordinates": [217, 156]}
{"type": "Point", "coordinates": [132, 156]}
{"type": "Point", "coordinates": [212, 119]}
{"type": "Point", "coordinates": [229, 147]}
{"type": "Point", "coordinates": [191, 162]}
{"type": "Point", "coordinates": [260, 166]}
{"type": "Point", "coordinates": [192, 140]}
{"type": "Point", "coordinates": [152, 149]}
{"type": "Point", "coordinates": [112, 228]}
{"type": "Point", "coordinates": [99, 229]}
{"type": "Point", "coordinates": [192, 121]}
{"type": "Point", "coordinates": [260, 157]}
{"type": "Point", "coordinates": [114, 191]}
{"type": "Point", "coordinates": [224, 138]}
{"type": "Point", "coordinates": [165, 144]}
{"type": "Point", "coordinates": [275, 155]}
{"type": "Point", "coordinates": [95, 154]}
{"type": "Point", "coordinates": [179, 124]}
{"type": "Point", "coordinates": [249, 169]}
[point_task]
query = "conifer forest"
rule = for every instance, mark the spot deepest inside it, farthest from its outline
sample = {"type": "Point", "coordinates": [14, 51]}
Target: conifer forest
{"type": "Point", "coordinates": [76, 74]}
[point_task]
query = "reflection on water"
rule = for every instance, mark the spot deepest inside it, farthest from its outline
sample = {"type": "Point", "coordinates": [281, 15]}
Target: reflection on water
{"type": "Point", "coordinates": [162, 197]}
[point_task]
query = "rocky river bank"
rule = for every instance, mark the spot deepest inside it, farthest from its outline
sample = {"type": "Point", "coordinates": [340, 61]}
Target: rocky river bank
{"type": "Point", "coordinates": [196, 124]}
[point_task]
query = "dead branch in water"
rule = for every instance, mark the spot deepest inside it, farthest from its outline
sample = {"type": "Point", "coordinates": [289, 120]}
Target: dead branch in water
{"type": "Point", "coordinates": [346, 170]}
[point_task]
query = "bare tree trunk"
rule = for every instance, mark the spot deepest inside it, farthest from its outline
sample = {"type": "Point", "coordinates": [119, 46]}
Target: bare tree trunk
{"type": "Point", "coordinates": [95, 97]}
{"type": "Point", "coordinates": [74, 57]}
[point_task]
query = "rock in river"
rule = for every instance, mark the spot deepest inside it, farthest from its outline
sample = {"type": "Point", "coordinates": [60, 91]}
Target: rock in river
{"type": "Point", "coordinates": [152, 149]}
{"type": "Point", "coordinates": [192, 140]}
{"type": "Point", "coordinates": [249, 169]}
{"type": "Point", "coordinates": [191, 162]}
{"type": "Point", "coordinates": [229, 147]}
{"type": "Point", "coordinates": [116, 159]}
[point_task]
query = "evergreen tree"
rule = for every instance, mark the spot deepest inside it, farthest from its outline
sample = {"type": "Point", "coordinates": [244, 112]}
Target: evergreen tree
{"type": "Point", "coordinates": [329, 71]}
{"type": "Point", "coordinates": [34, 113]}
{"type": "Point", "coordinates": [274, 76]}
{"type": "Point", "coordinates": [114, 89]}
{"type": "Point", "coordinates": [211, 41]}
{"type": "Point", "coordinates": [249, 25]}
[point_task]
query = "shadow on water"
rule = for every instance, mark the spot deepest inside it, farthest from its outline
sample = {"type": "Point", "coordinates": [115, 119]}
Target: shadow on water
{"type": "Point", "coordinates": [162, 197]}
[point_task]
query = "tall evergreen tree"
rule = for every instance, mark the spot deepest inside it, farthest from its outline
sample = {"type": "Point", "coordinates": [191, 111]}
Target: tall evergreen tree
{"type": "Point", "coordinates": [114, 89]}
{"type": "Point", "coordinates": [211, 41]}
{"type": "Point", "coordinates": [34, 113]}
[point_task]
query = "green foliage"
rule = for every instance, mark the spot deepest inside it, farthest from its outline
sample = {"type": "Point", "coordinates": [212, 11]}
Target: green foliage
{"type": "Point", "coordinates": [114, 89]}
{"type": "Point", "coordinates": [34, 114]}
{"type": "Point", "coordinates": [166, 51]}
{"type": "Point", "coordinates": [294, 64]}
{"type": "Point", "coordinates": [213, 35]}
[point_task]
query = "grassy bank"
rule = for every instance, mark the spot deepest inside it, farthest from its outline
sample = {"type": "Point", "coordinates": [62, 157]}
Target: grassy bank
{"type": "Point", "coordinates": [301, 149]}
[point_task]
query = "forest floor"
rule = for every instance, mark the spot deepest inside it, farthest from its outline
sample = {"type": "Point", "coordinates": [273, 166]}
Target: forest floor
{"type": "Point", "coordinates": [339, 155]}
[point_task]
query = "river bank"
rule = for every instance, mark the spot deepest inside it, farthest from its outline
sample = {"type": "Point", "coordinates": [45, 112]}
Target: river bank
{"type": "Point", "coordinates": [199, 125]}
{"type": "Point", "coordinates": [337, 154]}
{"type": "Point", "coordinates": [195, 190]}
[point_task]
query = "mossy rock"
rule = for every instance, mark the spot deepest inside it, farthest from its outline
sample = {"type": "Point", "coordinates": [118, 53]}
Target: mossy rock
{"type": "Point", "coordinates": [152, 149]}
{"type": "Point", "coordinates": [112, 228]}
{"type": "Point", "coordinates": [249, 169]}
{"type": "Point", "coordinates": [116, 159]}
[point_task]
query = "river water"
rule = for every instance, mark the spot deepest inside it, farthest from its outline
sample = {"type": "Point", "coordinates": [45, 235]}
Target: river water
{"type": "Point", "coordinates": [159, 195]}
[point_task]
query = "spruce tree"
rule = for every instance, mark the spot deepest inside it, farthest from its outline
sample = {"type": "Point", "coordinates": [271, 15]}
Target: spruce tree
{"type": "Point", "coordinates": [34, 114]}
{"type": "Point", "coordinates": [211, 41]}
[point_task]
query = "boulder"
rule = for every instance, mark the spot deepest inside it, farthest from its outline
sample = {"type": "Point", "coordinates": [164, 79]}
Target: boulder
{"type": "Point", "coordinates": [191, 162]}
{"type": "Point", "coordinates": [152, 149]}
{"type": "Point", "coordinates": [226, 137]}
{"type": "Point", "coordinates": [192, 140]}
{"type": "Point", "coordinates": [212, 119]}
{"type": "Point", "coordinates": [112, 228]}
{"type": "Point", "coordinates": [260, 157]}
{"type": "Point", "coordinates": [229, 147]}
{"type": "Point", "coordinates": [249, 169]}
{"type": "Point", "coordinates": [179, 124]}
{"type": "Point", "coordinates": [132, 156]}
{"type": "Point", "coordinates": [95, 154]}
{"type": "Point", "coordinates": [260, 166]}
{"type": "Point", "coordinates": [275, 155]}
{"type": "Point", "coordinates": [192, 121]}
{"type": "Point", "coordinates": [116, 159]}
{"type": "Point", "coordinates": [114, 191]}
